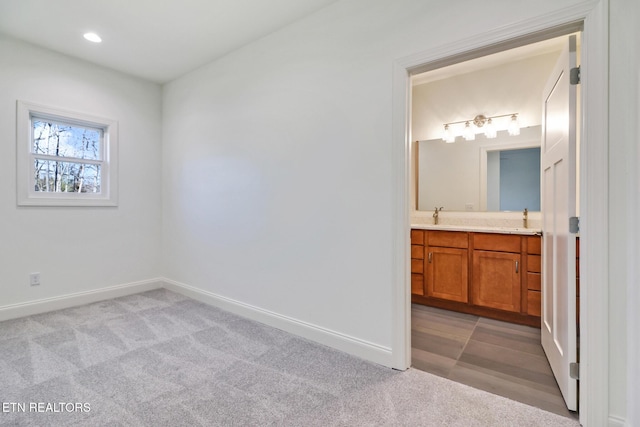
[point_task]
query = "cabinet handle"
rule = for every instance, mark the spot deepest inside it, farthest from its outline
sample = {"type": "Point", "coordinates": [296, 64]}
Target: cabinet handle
{"type": "Point", "coordinates": [430, 257]}
{"type": "Point", "coordinates": [516, 266]}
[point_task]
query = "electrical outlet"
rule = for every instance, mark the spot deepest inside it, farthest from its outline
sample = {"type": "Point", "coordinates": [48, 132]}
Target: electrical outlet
{"type": "Point", "coordinates": [34, 279]}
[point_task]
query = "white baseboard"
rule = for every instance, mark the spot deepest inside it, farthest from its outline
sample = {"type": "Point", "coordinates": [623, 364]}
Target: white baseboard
{"type": "Point", "coordinates": [354, 346]}
{"type": "Point", "coordinates": [29, 308]}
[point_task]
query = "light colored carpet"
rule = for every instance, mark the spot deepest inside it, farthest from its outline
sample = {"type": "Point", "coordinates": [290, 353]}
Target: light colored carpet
{"type": "Point", "coordinates": [161, 359]}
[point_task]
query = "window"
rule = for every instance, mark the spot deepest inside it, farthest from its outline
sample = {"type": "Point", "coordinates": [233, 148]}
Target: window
{"type": "Point", "coordinates": [65, 158]}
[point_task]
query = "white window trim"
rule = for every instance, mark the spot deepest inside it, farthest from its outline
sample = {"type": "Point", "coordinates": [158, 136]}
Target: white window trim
{"type": "Point", "coordinates": [27, 196]}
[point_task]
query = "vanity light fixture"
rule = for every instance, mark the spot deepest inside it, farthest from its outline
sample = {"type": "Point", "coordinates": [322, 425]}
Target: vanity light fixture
{"type": "Point", "coordinates": [481, 122]}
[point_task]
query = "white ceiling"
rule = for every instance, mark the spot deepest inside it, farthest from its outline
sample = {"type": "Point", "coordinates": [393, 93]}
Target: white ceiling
{"type": "Point", "coordinates": [157, 40]}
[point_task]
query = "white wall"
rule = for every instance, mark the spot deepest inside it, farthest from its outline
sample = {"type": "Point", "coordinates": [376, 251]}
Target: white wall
{"type": "Point", "coordinates": [633, 240]}
{"type": "Point", "coordinates": [514, 87]}
{"type": "Point", "coordinates": [277, 161]}
{"type": "Point", "coordinates": [79, 249]}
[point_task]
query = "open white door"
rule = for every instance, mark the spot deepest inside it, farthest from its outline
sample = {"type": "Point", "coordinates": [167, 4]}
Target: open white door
{"type": "Point", "coordinates": [558, 163]}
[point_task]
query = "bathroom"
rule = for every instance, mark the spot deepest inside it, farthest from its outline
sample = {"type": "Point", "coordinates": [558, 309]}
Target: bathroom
{"type": "Point", "coordinates": [477, 129]}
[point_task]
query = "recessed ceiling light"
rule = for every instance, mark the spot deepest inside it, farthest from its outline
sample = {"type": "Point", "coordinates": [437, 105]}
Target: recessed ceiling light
{"type": "Point", "coordinates": [92, 37]}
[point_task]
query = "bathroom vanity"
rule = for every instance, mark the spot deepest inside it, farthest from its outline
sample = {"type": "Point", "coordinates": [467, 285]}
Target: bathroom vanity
{"type": "Point", "coordinates": [490, 272]}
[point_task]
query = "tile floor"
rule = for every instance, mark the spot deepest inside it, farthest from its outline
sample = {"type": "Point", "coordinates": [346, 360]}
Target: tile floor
{"type": "Point", "coordinates": [499, 357]}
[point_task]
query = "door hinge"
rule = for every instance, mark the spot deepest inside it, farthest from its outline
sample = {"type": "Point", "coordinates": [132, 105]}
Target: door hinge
{"type": "Point", "coordinates": [574, 76]}
{"type": "Point", "coordinates": [574, 225]}
{"type": "Point", "coordinates": [574, 370]}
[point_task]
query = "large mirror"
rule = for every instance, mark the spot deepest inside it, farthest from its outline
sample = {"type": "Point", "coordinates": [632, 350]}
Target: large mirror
{"type": "Point", "coordinates": [498, 174]}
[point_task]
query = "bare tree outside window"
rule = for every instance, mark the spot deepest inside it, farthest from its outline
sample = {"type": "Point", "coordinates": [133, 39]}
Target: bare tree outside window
{"type": "Point", "coordinates": [67, 157]}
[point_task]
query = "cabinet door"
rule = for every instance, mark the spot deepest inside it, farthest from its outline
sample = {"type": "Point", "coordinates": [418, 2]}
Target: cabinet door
{"type": "Point", "coordinates": [447, 274]}
{"type": "Point", "coordinates": [496, 280]}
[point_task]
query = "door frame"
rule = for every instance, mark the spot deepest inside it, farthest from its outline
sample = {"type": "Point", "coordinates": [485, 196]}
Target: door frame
{"type": "Point", "coordinates": [594, 172]}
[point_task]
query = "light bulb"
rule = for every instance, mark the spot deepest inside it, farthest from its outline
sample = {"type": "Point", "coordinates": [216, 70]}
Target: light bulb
{"type": "Point", "coordinates": [468, 132]}
{"type": "Point", "coordinates": [447, 135]}
{"type": "Point", "coordinates": [490, 129]}
{"type": "Point", "coordinates": [514, 126]}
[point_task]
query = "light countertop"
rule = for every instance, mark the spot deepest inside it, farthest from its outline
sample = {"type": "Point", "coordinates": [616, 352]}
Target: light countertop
{"type": "Point", "coordinates": [479, 229]}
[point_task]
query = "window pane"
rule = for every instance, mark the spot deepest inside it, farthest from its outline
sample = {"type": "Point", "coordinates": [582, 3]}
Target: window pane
{"type": "Point", "coordinates": [57, 139]}
{"type": "Point", "coordinates": [66, 177]}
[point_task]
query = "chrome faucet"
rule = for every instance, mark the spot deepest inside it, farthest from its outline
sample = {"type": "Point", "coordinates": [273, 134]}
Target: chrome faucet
{"type": "Point", "coordinates": [525, 218]}
{"type": "Point", "coordinates": [435, 215]}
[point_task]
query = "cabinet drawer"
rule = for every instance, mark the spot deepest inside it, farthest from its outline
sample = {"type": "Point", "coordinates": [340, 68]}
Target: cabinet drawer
{"type": "Point", "coordinates": [417, 284]}
{"type": "Point", "coordinates": [533, 263]}
{"type": "Point", "coordinates": [448, 239]}
{"type": "Point", "coordinates": [533, 303]}
{"type": "Point", "coordinates": [417, 251]}
{"type": "Point", "coordinates": [534, 281]}
{"type": "Point", "coordinates": [533, 245]}
{"type": "Point", "coordinates": [417, 237]}
{"type": "Point", "coordinates": [496, 242]}
{"type": "Point", "coordinates": [417, 266]}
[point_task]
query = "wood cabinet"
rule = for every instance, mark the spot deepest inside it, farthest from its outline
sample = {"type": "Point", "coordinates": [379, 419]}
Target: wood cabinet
{"type": "Point", "coordinates": [496, 271]}
{"type": "Point", "coordinates": [447, 265]}
{"type": "Point", "coordinates": [487, 274]}
{"type": "Point", "coordinates": [496, 280]}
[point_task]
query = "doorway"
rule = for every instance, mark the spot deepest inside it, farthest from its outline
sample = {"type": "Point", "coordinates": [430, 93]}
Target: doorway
{"type": "Point", "coordinates": [450, 168]}
{"type": "Point", "coordinates": [594, 381]}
